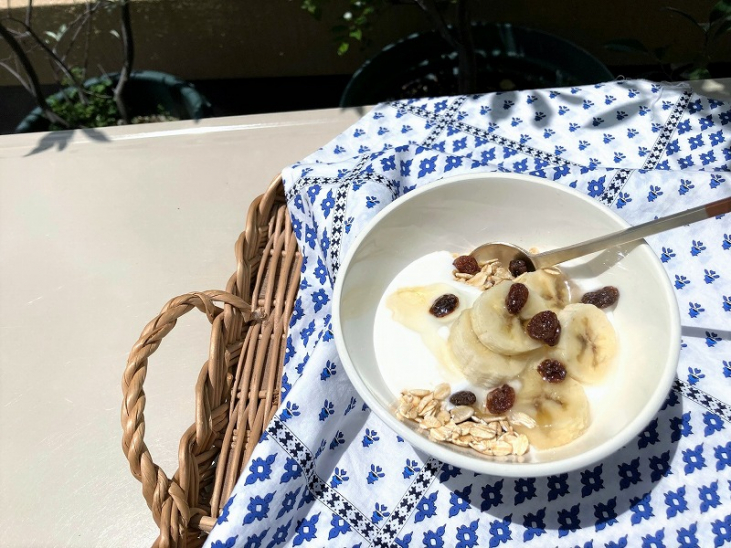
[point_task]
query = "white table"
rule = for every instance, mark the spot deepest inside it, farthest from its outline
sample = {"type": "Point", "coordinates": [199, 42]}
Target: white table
{"type": "Point", "coordinates": [94, 239]}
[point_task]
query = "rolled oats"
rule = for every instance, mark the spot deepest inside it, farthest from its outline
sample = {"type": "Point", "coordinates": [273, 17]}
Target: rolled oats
{"type": "Point", "coordinates": [452, 428]}
{"type": "Point", "coordinates": [520, 445]}
{"type": "Point", "coordinates": [491, 273]}
{"type": "Point", "coordinates": [424, 402]}
{"type": "Point", "coordinates": [502, 273]}
{"type": "Point", "coordinates": [463, 441]}
{"type": "Point", "coordinates": [517, 417]}
{"type": "Point", "coordinates": [509, 437]}
{"type": "Point", "coordinates": [438, 434]}
{"type": "Point", "coordinates": [461, 413]}
{"type": "Point", "coordinates": [404, 409]}
{"type": "Point", "coordinates": [481, 432]}
{"type": "Point", "coordinates": [501, 448]}
{"type": "Point", "coordinates": [442, 391]}
{"type": "Point", "coordinates": [461, 426]}
{"type": "Point", "coordinates": [480, 446]}
{"type": "Point", "coordinates": [431, 408]}
{"type": "Point", "coordinates": [430, 422]}
{"type": "Point", "coordinates": [478, 279]}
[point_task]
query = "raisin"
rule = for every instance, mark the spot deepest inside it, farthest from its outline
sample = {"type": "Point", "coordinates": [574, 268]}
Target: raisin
{"type": "Point", "coordinates": [545, 327]}
{"type": "Point", "coordinates": [464, 397]}
{"type": "Point", "coordinates": [552, 370]}
{"type": "Point", "coordinates": [466, 264]}
{"type": "Point", "coordinates": [602, 298]}
{"type": "Point", "coordinates": [444, 305]}
{"type": "Point", "coordinates": [517, 297]}
{"type": "Point", "coordinates": [517, 267]}
{"type": "Point", "coordinates": [500, 399]}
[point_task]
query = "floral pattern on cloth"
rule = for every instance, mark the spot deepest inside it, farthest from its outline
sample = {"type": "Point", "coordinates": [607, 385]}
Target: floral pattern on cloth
{"type": "Point", "coordinates": [328, 472]}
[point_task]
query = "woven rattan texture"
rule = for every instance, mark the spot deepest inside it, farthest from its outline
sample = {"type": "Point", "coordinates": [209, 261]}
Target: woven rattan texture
{"type": "Point", "coordinates": [238, 388]}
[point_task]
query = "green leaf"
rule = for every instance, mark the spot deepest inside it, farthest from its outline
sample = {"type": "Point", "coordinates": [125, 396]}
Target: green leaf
{"type": "Point", "coordinates": [720, 10]}
{"type": "Point", "coordinates": [699, 73]}
{"type": "Point", "coordinates": [312, 7]}
{"type": "Point", "coordinates": [343, 48]}
{"type": "Point", "coordinates": [688, 16]}
{"type": "Point", "coordinates": [627, 45]}
{"type": "Point", "coordinates": [357, 34]}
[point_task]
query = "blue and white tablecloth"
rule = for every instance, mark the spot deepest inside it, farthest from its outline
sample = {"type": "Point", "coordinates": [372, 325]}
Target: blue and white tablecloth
{"type": "Point", "coordinates": [328, 472]}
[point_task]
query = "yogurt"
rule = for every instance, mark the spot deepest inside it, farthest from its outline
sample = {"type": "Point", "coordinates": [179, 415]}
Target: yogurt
{"type": "Point", "coordinates": [411, 345]}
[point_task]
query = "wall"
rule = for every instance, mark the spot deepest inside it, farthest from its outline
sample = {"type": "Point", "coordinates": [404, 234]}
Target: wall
{"type": "Point", "coordinates": [210, 39]}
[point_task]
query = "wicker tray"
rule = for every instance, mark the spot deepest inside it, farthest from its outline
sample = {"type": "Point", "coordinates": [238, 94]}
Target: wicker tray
{"type": "Point", "coordinates": [237, 391]}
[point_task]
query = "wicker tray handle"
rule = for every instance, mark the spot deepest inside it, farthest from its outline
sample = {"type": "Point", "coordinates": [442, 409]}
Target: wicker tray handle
{"type": "Point", "coordinates": [238, 389]}
{"type": "Point", "coordinates": [171, 499]}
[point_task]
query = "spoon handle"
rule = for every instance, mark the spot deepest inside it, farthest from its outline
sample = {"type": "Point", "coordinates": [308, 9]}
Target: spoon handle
{"type": "Point", "coordinates": [556, 256]}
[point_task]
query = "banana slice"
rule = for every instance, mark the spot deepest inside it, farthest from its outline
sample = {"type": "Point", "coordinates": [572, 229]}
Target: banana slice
{"type": "Point", "coordinates": [588, 342]}
{"type": "Point", "coordinates": [495, 327]}
{"type": "Point", "coordinates": [475, 361]}
{"type": "Point", "coordinates": [561, 410]}
{"type": "Point", "coordinates": [545, 292]}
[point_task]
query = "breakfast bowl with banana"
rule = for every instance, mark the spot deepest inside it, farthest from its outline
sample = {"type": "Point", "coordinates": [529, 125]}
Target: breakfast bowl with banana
{"type": "Point", "coordinates": [487, 362]}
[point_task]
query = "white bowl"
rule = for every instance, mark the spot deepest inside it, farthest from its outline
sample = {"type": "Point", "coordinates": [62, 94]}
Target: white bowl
{"type": "Point", "coordinates": [457, 214]}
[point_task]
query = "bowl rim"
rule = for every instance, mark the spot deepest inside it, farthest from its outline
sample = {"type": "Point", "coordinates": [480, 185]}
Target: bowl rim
{"type": "Point", "coordinates": [487, 466]}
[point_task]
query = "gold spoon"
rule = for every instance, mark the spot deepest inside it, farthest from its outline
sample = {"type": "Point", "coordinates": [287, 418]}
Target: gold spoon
{"type": "Point", "coordinates": [509, 252]}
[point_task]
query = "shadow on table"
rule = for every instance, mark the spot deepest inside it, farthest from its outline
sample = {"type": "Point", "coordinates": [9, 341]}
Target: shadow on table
{"type": "Point", "coordinates": [585, 499]}
{"type": "Point", "coordinates": [61, 139]}
{"type": "Point", "coordinates": [614, 115]}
